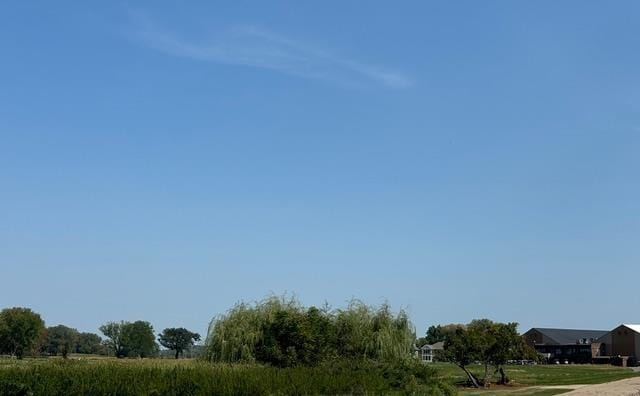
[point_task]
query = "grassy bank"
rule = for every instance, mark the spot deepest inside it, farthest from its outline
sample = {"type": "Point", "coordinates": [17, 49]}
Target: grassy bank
{"type": "Point", "coordinates": [188, 377]}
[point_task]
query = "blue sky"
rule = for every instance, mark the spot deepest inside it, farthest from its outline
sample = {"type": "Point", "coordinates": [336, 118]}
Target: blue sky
{"type": "Point", "coordinates": [161, 161]}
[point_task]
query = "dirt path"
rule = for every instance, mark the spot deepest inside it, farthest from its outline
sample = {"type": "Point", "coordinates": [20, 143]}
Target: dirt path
{"type": "Point", "coordinates": [625, 387]}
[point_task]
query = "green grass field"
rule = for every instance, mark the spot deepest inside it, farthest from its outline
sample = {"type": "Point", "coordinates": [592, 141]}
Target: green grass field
{"type": "Point", "coordinates": [525, 379]}
{"type": "Point", "coordinates": [546, 374]}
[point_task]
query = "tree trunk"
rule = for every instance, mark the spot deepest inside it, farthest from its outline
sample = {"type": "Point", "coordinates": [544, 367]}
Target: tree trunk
{"type": "Point", "coordinates": [177, 353]}
{"type": "Point", "coordinates": [503, 377]}
{"type": "Point", "coordinates": [485, 379]}
{"type": "Point", "coordinates": [472, 378]}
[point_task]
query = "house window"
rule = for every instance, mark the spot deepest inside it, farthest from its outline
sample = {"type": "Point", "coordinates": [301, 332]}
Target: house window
{"type": "Point", "coordinates": [427, 355]}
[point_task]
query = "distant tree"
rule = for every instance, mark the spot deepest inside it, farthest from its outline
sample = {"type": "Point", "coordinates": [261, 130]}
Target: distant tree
{"type": "Point", "coordinates": [460, 348]}
{"type": "Point", "coordinates": [434, 334]}
{"type": "Point", "coordinates": [484, 338]}
{"type": "Point", "coordinates": [507, 345]}
{"type": "Point", "coordinates": [60, 340]}
{"type": "Point", "coordinates": [113, 332]}
{"type": "Point", "coordinates": [20, 329]}
{"type": "Point", "coordinates": [130, 339]}
{"type": "Point", "coordinates": [178, 339]}
{"type": "Point", "coordinates": [89, 343]}
{"type": "Point", "coordinates": [490, 343]}
{"type": "Point", "coordinates": [138, 339]}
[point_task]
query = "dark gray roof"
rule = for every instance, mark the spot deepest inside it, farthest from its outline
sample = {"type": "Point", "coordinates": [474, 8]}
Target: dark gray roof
{"type": "Point", "coordinates": [570, 336]}
{"type": "Point", "coordinates": [438, 346]}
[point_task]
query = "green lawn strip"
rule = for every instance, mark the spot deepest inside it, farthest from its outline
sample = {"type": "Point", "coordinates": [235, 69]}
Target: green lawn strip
{"type": "Point", "coordinates": [545, 374]}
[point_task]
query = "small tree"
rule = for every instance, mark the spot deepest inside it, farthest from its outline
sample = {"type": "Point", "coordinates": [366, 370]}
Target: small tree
{"type": "Point", "coordinates": [482, 334]}
{"type": "Point", "coordinates": [178, 339]}
{"type": "Point", "coordinates": [60, 340]}
{"type": "Point", "coordinates": [490, 343]}
{"type": "Point", "coordinates": [89, 343]}
{"type": "Point", "coordinates": [20, 329]}
{"type": "Point", "coordinates": [434, 334]}
{"type": "Point", "coordinates": [138, 339]}
{"type": "Point", "coordinates": [130, 339]}
{"type": "Point", "coordinates": [461, 349]}
{"type": "Point", "coordinates": [113, 332]}
{"type": "Point", "coordinates": [508, 345]}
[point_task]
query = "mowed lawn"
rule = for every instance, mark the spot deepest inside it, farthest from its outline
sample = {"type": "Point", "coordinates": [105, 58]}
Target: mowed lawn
{"type": "Point", "coordinates": [525, 379]}
{"type": "Point", "coordinates": [574, 374]}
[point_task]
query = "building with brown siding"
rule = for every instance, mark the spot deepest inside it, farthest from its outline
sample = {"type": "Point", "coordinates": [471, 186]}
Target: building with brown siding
{"type": "Point", "coordinates": [625, 341]}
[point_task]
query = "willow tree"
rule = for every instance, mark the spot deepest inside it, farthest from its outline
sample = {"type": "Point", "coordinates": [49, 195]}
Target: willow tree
{"type": "Point", "coordinates": [281, 332]}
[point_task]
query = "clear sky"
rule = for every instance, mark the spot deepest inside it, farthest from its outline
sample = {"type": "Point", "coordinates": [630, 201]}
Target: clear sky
{"type": "Point", "coordinates": [163, 160]}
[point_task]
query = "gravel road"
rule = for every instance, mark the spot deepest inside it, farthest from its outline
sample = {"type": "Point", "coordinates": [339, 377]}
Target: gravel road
{"type": "Point", "coordinates": [625, 387]}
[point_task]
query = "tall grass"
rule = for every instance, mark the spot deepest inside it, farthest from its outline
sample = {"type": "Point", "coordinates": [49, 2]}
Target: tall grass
{"type": "Point", "coordinates": [156, 377]}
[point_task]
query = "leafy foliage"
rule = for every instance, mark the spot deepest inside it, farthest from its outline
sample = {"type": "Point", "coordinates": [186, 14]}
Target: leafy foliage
{"type": "Point", "coordinates": [130, 339]}
{"type": "Point", "coordinates": [20, 329]}
{"type": "Point", "coordinates": [178, 339]}
{"type": "Point", "coordinates": [283, 333]}
{"type": "Point", "coordinates": [89, 343]}
{"type": "Point", "coordinates": [138, 339]}
{"type": "Point", "coordinates": [60, 340]}
{"type": "Point", "coordinates": [113, 332]}
{"type": "Point", "coordinates": [490, 343]}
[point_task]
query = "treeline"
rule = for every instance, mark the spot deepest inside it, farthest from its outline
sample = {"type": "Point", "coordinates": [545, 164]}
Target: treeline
{"type": "Point", "coordinates": [63, 340]}
{"type": "Point", "coordinates": [23, 332]}
{"type": "Point", "coordinates": [284, 348]}
{"type": "Point", "coordinates": [283, 333]}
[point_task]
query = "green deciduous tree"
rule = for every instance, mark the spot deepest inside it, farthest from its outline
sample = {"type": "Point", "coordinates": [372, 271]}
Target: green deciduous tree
{"type": "Point", "coordinates": [434, 334]}
{"type": "Point", "coordinates": [461, 349]}
{"type": "Point", "coordinates": [138, 339]}
{"type": "Point", "coordinates": [507, 345]}
{"type": "Point", "coordinates": [60, 340]}
{"type": "Point", "coordinates": [133, 339]}
{"type": "Point", "coordinates": [178, 339]}
{"type": "Point", "coordinates": [490, 343]}
{"type": "Point", "coordinates": [89, 343]}
{"type": "Point", "coordinates": [20, 329]}
{"type": "Point", "coordinates": [113, 332]}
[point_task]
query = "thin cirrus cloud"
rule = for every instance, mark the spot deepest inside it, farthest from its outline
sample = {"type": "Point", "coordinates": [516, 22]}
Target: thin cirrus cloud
{"type": "Point", "coordinates": [260, 48]}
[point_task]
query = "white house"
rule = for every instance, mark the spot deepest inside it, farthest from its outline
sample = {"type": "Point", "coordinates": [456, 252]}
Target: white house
{"type": "Point", "coordinates": [427, 352]}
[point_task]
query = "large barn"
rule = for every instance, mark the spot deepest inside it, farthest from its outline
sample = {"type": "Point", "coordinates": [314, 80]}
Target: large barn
{"type": "Point", "coordinates": [619, 346]}
{"type": "Point", "coordinates": [563, 345]}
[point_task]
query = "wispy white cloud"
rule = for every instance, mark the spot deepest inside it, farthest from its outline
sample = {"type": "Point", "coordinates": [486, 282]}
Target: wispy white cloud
{"type": "Point", "coordinates": [256, 47]}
